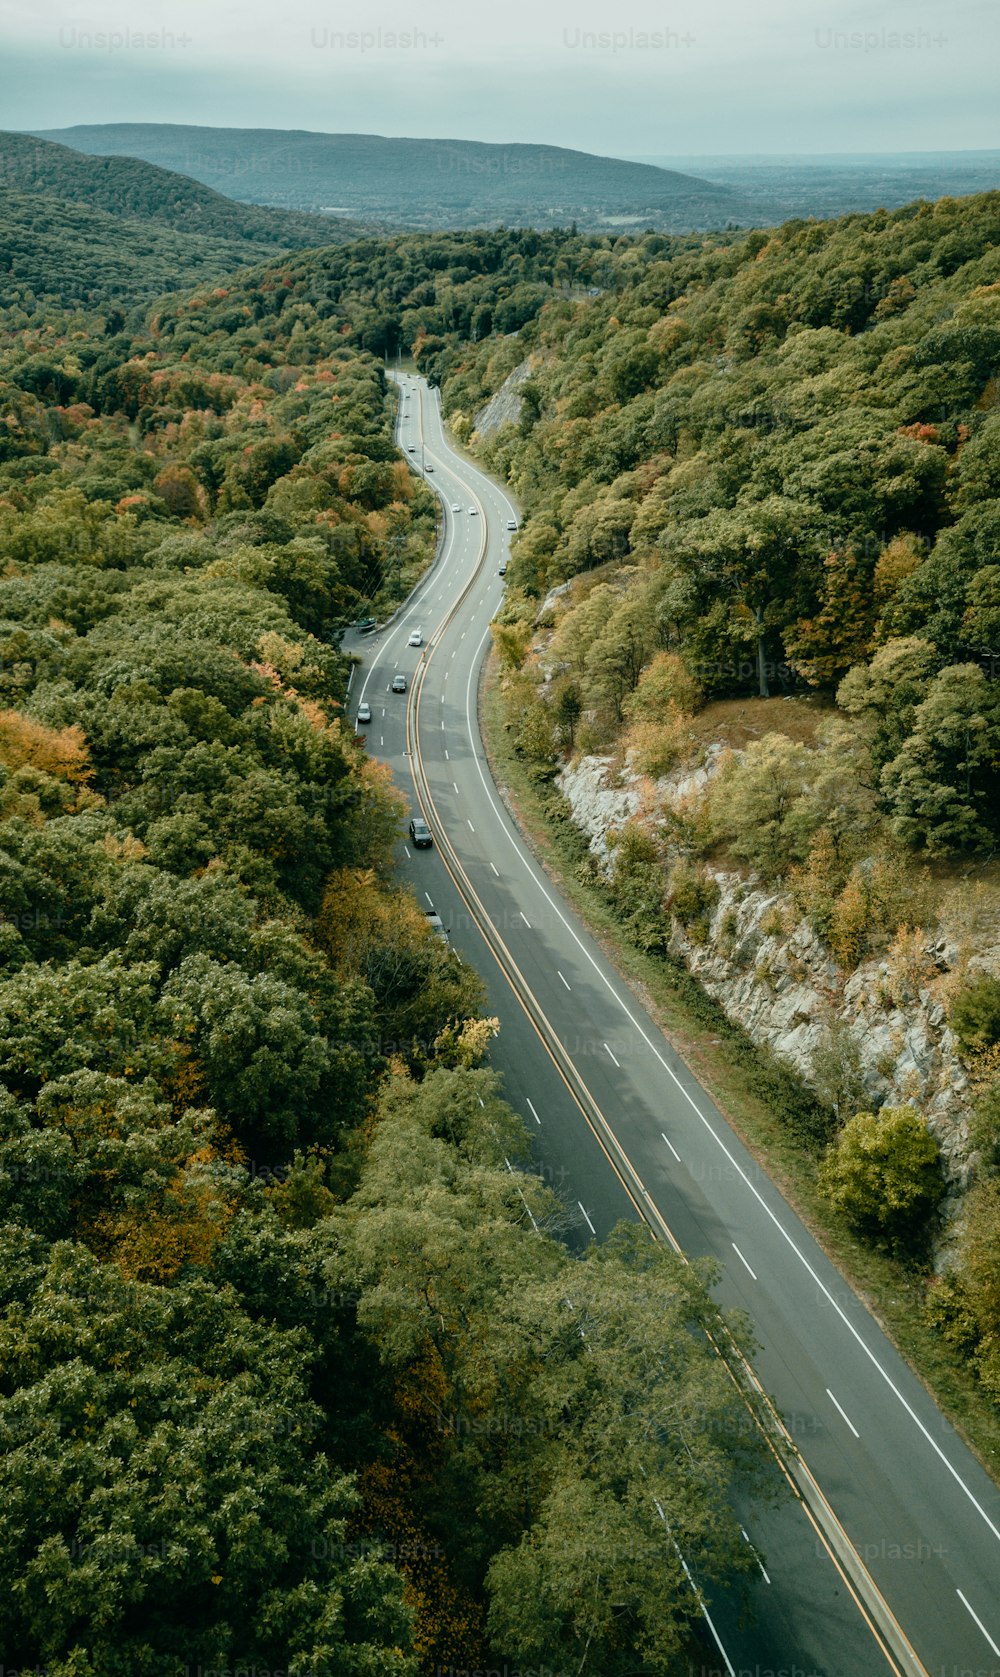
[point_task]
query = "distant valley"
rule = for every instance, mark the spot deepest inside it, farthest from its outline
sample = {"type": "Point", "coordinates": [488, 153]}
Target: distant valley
{"type": "Point", "coordinates": [422, 184]}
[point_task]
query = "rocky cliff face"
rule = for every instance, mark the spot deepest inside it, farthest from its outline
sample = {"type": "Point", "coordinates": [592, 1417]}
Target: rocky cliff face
{"type": "Point", "coordinates": [773, 976]}
{"type": "Point", "coordinates": [503, 408]}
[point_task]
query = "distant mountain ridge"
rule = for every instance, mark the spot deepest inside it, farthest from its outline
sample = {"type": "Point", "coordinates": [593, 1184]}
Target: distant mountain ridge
{"type": "Point", "coordinates": [126, 186]}
{"type": "Point", "coordinates": [416, 183]}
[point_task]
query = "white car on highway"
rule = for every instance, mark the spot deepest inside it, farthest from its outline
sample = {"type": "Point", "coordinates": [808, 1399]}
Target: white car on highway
{"type": "Point", "coordinates": [416, 638]}
{"type": "Point", "coordinates": [455, 507]}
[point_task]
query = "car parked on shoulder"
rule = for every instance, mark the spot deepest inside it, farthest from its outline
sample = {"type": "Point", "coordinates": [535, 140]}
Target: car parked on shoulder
{"type": "Point", "coordinates": [420, 834]}
{"type": "Point", "coordinates": [436, 924]}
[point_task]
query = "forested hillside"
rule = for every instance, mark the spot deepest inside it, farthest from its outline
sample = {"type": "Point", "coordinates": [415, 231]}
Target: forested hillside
{"type": "Point", "coordinates": [417, 182]}
{"type": "Point", "coordinates": [290, 1376]}
{"type": "Point", "coordinates": [387, 295]}
{"type": "Point", "coordinates": [758, 578]}
{"type": "Point", "coordinates": [140, 191]}
{"type": "Point", "coordinates": [92, 229]}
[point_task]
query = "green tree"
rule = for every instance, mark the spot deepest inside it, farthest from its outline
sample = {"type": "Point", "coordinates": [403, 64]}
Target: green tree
{"type": "Point", "coordinates": [885, 694]}
{"type": "Point", "coordinates": [137, 1538]}
{"type": "Point", "coordinates": [884, 1175]}
{"type": "Point", "coordinates": [757, 803]}
{"type": "Point", "coordinates": [942, 786]}
{"type": "Point", "coordinates": [974, 1015]}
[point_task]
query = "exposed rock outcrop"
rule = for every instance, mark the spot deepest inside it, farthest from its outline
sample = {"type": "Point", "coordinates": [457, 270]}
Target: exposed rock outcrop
{"type": "Point", "coordinates": [504, 407]}
{"type": "Point", "coordinates": [775, 977]}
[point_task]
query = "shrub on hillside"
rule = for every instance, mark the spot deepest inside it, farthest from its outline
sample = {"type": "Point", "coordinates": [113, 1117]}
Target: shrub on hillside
{"type": "Point", "coordinates": [975, 1015]}
{"type": "Point", "coordinates": [883, 1174]}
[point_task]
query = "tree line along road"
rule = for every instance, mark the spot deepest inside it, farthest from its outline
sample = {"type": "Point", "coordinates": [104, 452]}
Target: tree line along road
{"type": "Point", "coordinates": [887, 1556]}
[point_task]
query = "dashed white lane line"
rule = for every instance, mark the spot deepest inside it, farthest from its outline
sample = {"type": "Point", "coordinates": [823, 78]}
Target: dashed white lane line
{"type": "Point", "coordinates": [468, 823]}
{"type": "Point", "coordinates": [534, 1114]}
{"type": "Point", "coordinates": [524, 917]}
{"type": "Point", "coordinates": [686, 1095]}
{"type": "Point", "coordinates": [608, 1051]}
{"type": "Point", "coordinates": [563, 979]}
{"type": "Point", "coordinates": [494, 867]}
{"type": "Point", "coordinates": [672, 1147]}
{"type": "Point", "coordinates": [973, 1614]}
{"type": "Point", "coordinates": [427, 895]}
{"type": "Point", "coordinates": [846, 1418]}
{"type": "Point", "coordinates": [407, 849]}
{"type": "Point", "coordinates": [742, 1259]}
{"type": "Point", "coordinates": [586, 1218]}
{"type": "Point", "coordinates": [455, 784]}
{"type": "Point", "coordinates": [446, 757]}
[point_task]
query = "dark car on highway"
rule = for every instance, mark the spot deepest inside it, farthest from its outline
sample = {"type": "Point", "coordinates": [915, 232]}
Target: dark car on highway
{"type": "Point", "coordinates": [420, 833]}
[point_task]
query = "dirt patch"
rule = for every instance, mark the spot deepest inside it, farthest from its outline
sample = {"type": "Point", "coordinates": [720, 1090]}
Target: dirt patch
{"type": "Point", "coordinates": [735, 722]}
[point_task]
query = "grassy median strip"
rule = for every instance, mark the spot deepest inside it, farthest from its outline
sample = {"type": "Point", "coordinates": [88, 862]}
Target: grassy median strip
{"type": "Point", "coordinates": [740, 1078]}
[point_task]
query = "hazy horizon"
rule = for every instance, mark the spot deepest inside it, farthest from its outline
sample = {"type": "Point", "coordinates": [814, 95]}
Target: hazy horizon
{"type": "Point", "coordinates": [675, 160]}
{"type": "Point", "coordinates": [714, 81]}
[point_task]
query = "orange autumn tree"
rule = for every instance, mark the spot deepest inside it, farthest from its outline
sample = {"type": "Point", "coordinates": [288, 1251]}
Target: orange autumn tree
{"type": "Point", "coordinates": [61, 752]}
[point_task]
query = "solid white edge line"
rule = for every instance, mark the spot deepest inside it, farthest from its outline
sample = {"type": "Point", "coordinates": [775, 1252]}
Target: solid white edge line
{"type": "Point", "coordinates": [973, 1614]}
{"type": "Point", "coordinates": [845, 1417]}
{"type": "Point", "coordinates": [804, 1261]}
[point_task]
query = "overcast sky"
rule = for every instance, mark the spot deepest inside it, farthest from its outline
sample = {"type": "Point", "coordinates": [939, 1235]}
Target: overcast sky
{"type": "Point", "coordinates": [722, 76]}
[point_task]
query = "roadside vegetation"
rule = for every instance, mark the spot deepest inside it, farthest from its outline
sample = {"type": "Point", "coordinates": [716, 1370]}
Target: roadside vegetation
{"type": "Point", "coordinates": [758, 563]}
{"type": "Point", "coordinates": [287, 1345]}
{"type": "Point", "coordinates": [296, 1373]}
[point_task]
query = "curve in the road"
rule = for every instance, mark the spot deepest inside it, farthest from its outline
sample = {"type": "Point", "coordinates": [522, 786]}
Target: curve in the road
{"type": "Point", "coordinates": [951, 1629]}
{"type": "Point", "coordinates": [885, 1629]}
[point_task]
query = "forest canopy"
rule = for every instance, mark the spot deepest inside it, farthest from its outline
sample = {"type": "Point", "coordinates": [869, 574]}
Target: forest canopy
{"type": "Point", "coordinates": [289, 1379]}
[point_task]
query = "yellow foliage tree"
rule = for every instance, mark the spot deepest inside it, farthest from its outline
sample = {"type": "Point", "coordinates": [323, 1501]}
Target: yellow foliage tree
{"type": "Point", "coordinates": [61, 752]}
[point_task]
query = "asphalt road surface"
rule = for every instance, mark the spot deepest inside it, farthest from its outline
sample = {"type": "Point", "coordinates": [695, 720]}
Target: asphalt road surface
{"type": "Point", "coordinates": [887, 1556]}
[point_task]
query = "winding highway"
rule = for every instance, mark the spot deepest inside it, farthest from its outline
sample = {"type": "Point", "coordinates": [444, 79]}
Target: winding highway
{"type": "Point", "coordinates": [886, 1556]}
